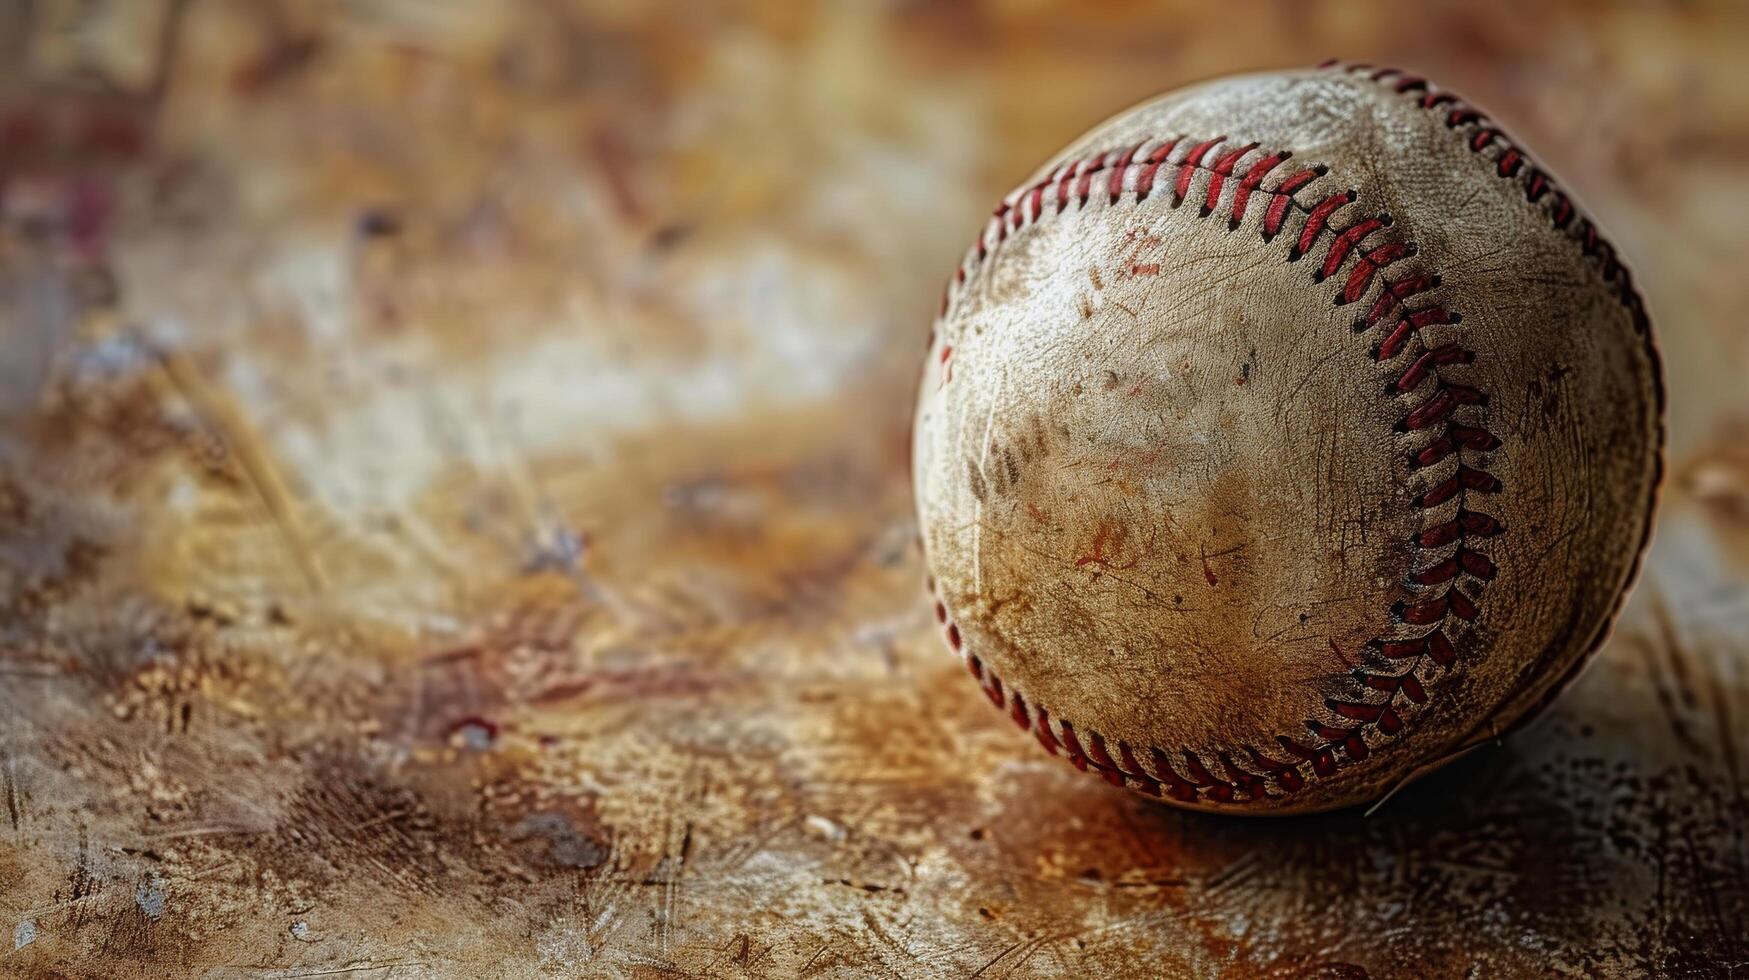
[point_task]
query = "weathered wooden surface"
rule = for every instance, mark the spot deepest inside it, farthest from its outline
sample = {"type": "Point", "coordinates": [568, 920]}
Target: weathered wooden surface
{"type": "Point", "coordinates": [453, 517]}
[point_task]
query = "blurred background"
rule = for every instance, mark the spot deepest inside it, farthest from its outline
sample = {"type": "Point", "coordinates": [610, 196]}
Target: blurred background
{"type": "Point", "coordinates": [453, 512]}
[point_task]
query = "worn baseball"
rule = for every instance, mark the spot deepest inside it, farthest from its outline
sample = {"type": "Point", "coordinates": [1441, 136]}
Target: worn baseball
{"type": "Point", "coordinates": [1284, 438]}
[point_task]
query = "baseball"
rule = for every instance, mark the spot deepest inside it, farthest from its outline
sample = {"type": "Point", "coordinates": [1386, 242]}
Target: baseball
{"type": "Point", "coordinates": [1284, 438]}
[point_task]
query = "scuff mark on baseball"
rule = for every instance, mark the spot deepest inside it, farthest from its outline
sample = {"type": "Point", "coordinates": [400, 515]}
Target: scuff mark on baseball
{"type": "Point", "coordinates": [1298, 434]}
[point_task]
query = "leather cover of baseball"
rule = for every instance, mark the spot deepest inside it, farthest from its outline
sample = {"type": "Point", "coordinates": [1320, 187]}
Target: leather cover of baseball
{"type": "Point", "coordinates": [1285, 437]}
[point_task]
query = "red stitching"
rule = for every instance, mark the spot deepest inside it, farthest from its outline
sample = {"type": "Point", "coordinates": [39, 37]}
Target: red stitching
{"type": "Point", "coordinates": [1278, 208]}
{"type": "Point", "coordinates": [1316, 221]}
{"type": "Point", "coordinates": [1511, 162]}
{"type": "Point", "coordinates": [1188, 168]}
{"type": "Point", "coordinates": [1443, 589]}
{"type": "Point", "coordinates": [1395, 293]}
{"type": "Point", "coordinates": [1145, 181]}
{"type": "Point", "coordinates": [1247, 186]}
{"type": "Point", "coordinates": [1221, 170]}
{"type": "Point", "coordinates": [1345, 242]}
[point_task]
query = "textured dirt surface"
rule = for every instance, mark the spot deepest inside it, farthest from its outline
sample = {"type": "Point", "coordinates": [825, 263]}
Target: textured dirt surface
{"type": "Point", "coordinates": [454, 521]}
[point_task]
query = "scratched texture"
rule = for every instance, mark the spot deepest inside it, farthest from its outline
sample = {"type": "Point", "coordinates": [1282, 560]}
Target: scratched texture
{"type": "Point", "coordinates": [453, 519]}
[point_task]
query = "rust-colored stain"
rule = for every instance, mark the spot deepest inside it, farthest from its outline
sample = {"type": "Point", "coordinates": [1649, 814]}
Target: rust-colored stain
{"type": "Point", "coordinates": [1109, 545]}
{"type": "Point", "coordinates": [451, 524]}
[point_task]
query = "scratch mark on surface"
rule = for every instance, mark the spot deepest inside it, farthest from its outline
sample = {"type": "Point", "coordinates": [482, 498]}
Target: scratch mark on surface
{"type": "Point", "coordinates": [10, 776]}
{"type": "Point", "coordinates": [341, 971]}
{"type": "Point", "coordinates": [993, 960]}
{"type": "Point", "coordinates": [809, 965]}
{"type": "Point", "coordinates": [1208, 571]}
{"type": "Point", "coordinates": [1678, 692]}
{"type": "Point", "coordinates": [228, 424]}
{"type": "Point", "coordinates": [978, 512]}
